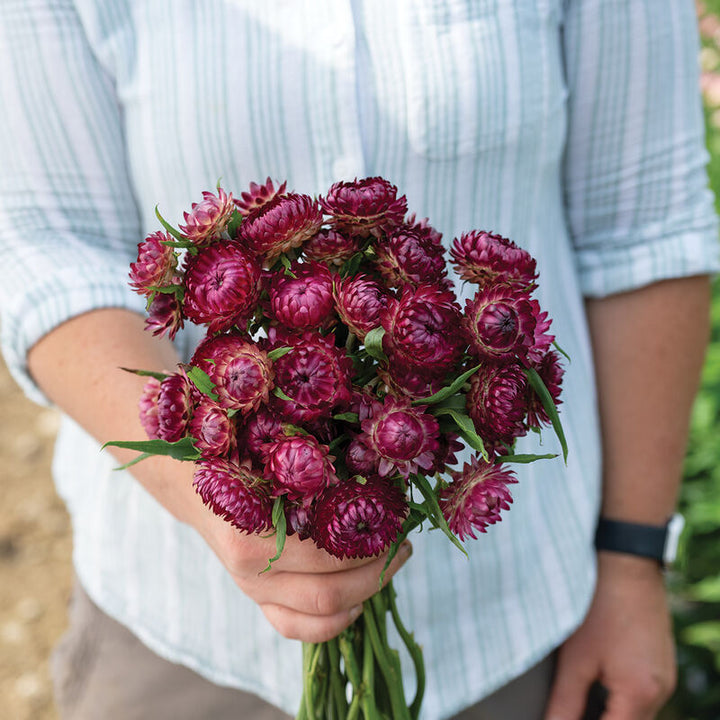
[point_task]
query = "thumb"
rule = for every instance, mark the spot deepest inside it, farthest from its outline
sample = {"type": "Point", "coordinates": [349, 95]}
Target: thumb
{"type": "Point", "coordinates": [571, 685]}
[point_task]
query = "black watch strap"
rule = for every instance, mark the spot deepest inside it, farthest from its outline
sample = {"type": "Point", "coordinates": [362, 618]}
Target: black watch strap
{"type": "Point", "coordinates": [631, 538]}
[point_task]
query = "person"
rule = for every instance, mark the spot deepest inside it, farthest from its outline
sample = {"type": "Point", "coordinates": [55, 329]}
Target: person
{"type": "Point", "coordinates": [572, 127]}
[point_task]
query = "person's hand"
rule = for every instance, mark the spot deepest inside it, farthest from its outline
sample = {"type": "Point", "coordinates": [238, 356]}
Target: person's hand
{"type": "Point", "coordinates": [308, 594]}
{"type": "Point", "coordinates": [625, 642]}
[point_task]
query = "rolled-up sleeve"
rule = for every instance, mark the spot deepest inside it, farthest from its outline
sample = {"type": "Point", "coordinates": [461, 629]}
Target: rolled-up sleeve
{"type": "Point", "coordinates": [69, 224]}
{"type": "Point", "coordinates": [637, 202]}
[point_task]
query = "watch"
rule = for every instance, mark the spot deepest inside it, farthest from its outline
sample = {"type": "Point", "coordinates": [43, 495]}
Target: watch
{"type": "Point", "coordinates": [658, 542]}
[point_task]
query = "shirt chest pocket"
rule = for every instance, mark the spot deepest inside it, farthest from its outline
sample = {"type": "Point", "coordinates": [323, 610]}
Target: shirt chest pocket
{"type": "Point", "coordinates": [474, 84]}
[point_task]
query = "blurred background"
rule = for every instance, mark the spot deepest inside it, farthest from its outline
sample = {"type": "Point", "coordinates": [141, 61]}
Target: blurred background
{"type": "Point", "coordinates": [35, 542]}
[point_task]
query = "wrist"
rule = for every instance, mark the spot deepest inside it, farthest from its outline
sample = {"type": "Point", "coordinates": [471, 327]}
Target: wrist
{"type": "Point", "coordinates": [652, 542]}
{"type": "Point", "coordinates": [625, 565]}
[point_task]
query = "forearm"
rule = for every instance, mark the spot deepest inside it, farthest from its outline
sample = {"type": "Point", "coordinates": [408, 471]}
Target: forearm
{"type": "Point", "coordinates": [78, 364]}
{"type": "Point", "coordinates": [648, 346]}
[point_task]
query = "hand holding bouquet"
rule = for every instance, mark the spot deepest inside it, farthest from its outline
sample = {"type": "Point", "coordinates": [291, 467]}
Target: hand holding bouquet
{"type": "Point", "coordinates": [336, 382]}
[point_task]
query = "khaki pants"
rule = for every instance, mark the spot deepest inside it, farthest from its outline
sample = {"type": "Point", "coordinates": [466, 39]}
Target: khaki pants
{"type": "Point", "coordinates": [101, 671]}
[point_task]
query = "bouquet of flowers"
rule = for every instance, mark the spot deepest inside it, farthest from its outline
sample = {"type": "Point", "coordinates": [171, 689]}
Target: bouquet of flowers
{"type": "Point", "coordinates": [336, 382]}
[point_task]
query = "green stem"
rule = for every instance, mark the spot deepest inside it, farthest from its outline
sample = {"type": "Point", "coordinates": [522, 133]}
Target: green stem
{"type": "Point", "coordinates": [314, 682]}
{"type": "Point", "coordinates": [368, 703]}
{"type": "Point", "coordinates": [413, 648]}
{"type": "Point", "coordinates": [354, 711]}
{"type": "Point", "coordinates": [337, 681]}
{"type": "Point", "coordinates": [308, 681]}
{"type": "Point", "coordinates": [380, 607]}
{"type": "Point", "coordinates": [302, 713]}
{"type": "Point", "coordinates": [351, 667]}
{"type": "Point", "coordinates": [320, 673]}
{"type": "Point", "coordinates": [393, 679]}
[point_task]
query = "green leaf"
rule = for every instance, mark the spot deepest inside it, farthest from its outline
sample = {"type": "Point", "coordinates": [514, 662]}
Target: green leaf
{"type": "Point", "coordinates": [201, 380]}
{"type": "Point", "coordinates": [278, 352]}
{"type": "Point", "coordinates": [336, 442]}
{"type": "Point", "coordinates": [706, 590]}
{"type": "Point", "coordinates": [135, 461]}
{"type": "Point", "coordinates": [349, 417]}
{"type": "Point", "coordinates": [177, 290]}
{"type": "Point", "coordinates": [466, 427]}
{"type": "Point", "coordinates": [435, 514]}
{"type": "Point", "coordinates": [447, 391]}
{"type": "Point", "coordinates": [182, 244]}
{"type": "Point", "coordinates": [561, 351]}
{"type": "Point", "coordinates": [413, 520]}
{"type": "Point", "coordinates": [287, 264]}
{"type": "Point", "coordinates": [703, 634]}
{"type": "Point", "coordinates": [175, 233]}
{"type": "Point", "coordinates": [456, 402]}
{"type": "Point", "coordinates": [373, 343]}
{"type": "Point", "coordinates": [234, 224]}
{"type": "Point", "coordinates": [549, 405]}
{"type": "Point", "coordinates": [528, 458]}
{"type": "Point", "coordinates": [280, 524]}
{"type": "Point", "coordinates": [351, 266]}
{"type": "Point", "coordinates": [181, 450]}
{"type": "Point", "coordinates": [277, 392]}
{"type": "Point", "coordinates": [146, 373]}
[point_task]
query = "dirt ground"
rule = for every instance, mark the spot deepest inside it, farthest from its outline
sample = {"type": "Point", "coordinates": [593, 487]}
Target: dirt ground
{"type": "Point", "coordinates": [35, 548]}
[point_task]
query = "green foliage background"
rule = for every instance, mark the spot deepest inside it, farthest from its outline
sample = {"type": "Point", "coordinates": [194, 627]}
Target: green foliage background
{"type": "Point", "coordinates": [696, 586]}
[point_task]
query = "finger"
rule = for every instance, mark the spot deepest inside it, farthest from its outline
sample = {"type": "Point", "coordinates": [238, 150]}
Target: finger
{"type": "Point", "coordinates": [326, 594]}
{"type": "Point", "coordinates": [641, 700]}
{"type": "Point", "coordinates": [309, 628]}
{"type": "Point", "coordinates": [249, 555]}
{"type": "Point", "coordinates": [571, 685]}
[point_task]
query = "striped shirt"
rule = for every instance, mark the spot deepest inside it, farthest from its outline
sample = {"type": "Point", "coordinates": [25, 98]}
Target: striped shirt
{"type": "Point", "coordinates": [571, 126]}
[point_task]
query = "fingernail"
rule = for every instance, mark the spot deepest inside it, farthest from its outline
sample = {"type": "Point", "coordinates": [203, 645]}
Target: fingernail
{"type": "Point", "coordinates": [406, 550]}
{"type": "Point", "coordinates": [355, 612]}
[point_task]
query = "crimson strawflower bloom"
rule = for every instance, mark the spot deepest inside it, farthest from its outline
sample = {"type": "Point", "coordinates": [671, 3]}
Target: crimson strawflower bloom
{"type": "Point", "coordinates": [148, 408]}
{"type": "Point", "coordinates": [359, 520]}
{"type": "Point", "coordinates": [361, 459]}
{"type": "Point", "coordinates": [211, 428]}
{"type": "Point", "coordinates": [410, 257]}
{"type": "Point", "coordinates": [258, 196]}
{"type": "Point", "coordinates": [364, 207]}
{"type": "Point", "coordinates": [300, 467]}
{"type": "Point", "coordinates": [331, 247]}
{"type": "Point", "coordinates": [302, 300]}
{"type": "Point", "coordinates": [261, 429]}
{"type": "Point", "coordinates": [501, 322]}
{"type": "Point", "coordinates": [235, 493]}
{"type": "Point", "coordinates": [222, 285]}
{"type": "Point", "coordinates": [281, 224]}
{"type": "Point", "coordinates": [155, 265]}
{"type": "Point", "coordinates": [486, 259]}
{"type": "Point", "coordinates": [241, 371]}
{"type": "Point", "coordinates": [359, 300]}
{"type": "Point", "coordinates": [475, 497]}
{"type": "Point", "coordinates": [208, 218]}
{"type": "Point", "coordinates": [164, 315]}
{"type": "Point", "coordinates": [404, 379]}
{"type": "Point", "coordinates": [404, 437]}
{"type": "Point", "coordinates": [174, 407]}
{"type": "Point", "coordinates": [315, 375]}
{"type": "Point", "coordinates": [497, 402]}
{"type": "Point", "coordinates": [423, 328]}
{"type": "Point", "coordinates": [299, 519]}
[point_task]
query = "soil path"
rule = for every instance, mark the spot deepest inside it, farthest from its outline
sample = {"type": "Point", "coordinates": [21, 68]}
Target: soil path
{"type": "Point", "coordinates": [35, 548]}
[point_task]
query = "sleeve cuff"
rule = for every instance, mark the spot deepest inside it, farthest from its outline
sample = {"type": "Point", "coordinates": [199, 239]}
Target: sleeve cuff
{"type": "Point", "coordinates": [59, 297]}
{"type": "Point", "coordinates": [607, 270]}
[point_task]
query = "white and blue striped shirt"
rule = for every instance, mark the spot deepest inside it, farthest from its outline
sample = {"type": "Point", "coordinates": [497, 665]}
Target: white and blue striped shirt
{"type": "Point", "coordinates": [571, 126]}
